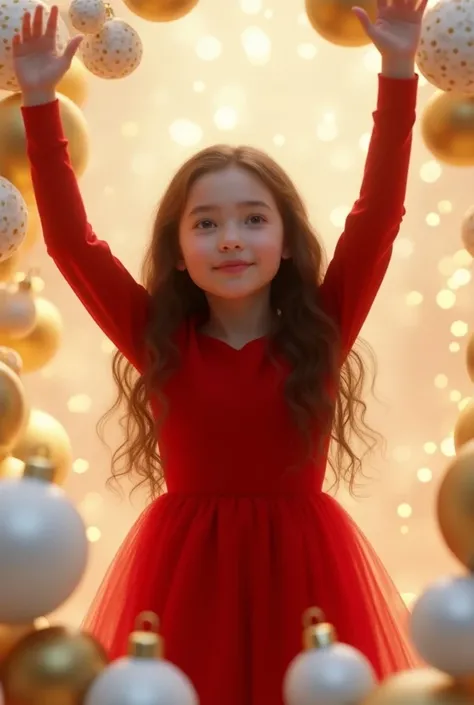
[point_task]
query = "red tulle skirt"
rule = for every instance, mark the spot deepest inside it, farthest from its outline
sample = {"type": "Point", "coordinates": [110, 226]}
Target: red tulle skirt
{"type": "Point", "coordinates": [230, 579]}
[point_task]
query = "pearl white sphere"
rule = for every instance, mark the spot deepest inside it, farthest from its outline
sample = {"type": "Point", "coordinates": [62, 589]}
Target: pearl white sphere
{"type": "Point", "coordinates": [13, 217]}
{"type": "Point", "coordinates": [442, 625]}
{"type": "Point", "coordinates": [133, 681]}
{"type": "Point", "coordinates": [114, 52]}
{"type": "Point", "coordinates": [87, 16]}
{"type": "Point", "coordinates": [43, 549]}
{"type": "Point", "coordinates": [328, 676]}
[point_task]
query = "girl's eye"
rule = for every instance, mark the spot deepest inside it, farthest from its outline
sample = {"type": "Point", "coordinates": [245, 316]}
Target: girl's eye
{"type": "Point", "coordinates": [205, 224]}
{"type": "Point", "coordinates": [256, 219]}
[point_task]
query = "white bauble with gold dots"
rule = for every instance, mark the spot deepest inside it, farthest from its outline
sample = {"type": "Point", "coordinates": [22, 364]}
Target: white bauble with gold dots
{"type": "Point", "coordinates": [114, 52]}
{"type": "Point", "coordinates": [11, 14]}
{"type": "Point", "coordinates": [446, 49]}
{"type": "Point", "coordinates": [88, 16]}
{"type": "Point", "coordinates": [13, 219]}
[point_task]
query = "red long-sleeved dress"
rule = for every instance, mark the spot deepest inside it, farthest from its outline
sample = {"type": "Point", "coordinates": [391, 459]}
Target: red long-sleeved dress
{"type": "Point", "coordinates": [237, 549]}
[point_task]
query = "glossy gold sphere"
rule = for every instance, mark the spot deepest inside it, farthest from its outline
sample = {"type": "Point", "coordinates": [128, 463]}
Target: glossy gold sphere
{"type": "Point", "coordinates": [334, 21]}
{"type": "Point", "coordinates": [161, 10]}
{"type": "Point", "coordinates": [420, 687]}
{"type": "Point", "coordinates": [447, 128]}
{"type": "Point", "coordinates": [74, 85]}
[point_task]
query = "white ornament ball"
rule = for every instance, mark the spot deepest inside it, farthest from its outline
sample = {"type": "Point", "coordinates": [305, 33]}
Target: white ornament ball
{"type": "Point", "coordinates": [114, 52]}
{"type": "Point", "coordinates": [328, 676]}
{"type": "Point", "coordinates": [17, 311]}
{"type": "Point", "coordinates": [87, 16]}
{"type": "Point", "coordinates": [445, 53]}
{"type": "Point", "coordinates": [13, 217]}
{"type": "Point", "coordinates": [136, 681]}
{"type": "Point", "coordinates": [442, 626]}
{"type": "Point", "coordinates": [467, 230]}
{"type": "Point", "coordinates": [11, 16]}
{"type": "Point", "coordinates": [43, 549]}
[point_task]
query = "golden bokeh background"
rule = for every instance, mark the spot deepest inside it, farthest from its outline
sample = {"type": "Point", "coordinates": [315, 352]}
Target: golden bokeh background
{"type": "Point", "coordinates": [256, 72]}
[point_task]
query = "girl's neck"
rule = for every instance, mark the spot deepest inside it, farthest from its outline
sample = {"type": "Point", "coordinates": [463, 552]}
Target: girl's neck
{"type": "Point", "coordinates": [239, 321]}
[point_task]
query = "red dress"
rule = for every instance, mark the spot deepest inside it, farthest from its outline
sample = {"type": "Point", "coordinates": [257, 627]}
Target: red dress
{"type": "Point", "coordinates": [237, 549]}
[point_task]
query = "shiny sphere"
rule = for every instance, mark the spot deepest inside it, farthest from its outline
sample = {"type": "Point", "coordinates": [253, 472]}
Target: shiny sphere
{"type": "Point", "coordinates": [14, 409]}
{"type": "Point", "coordinates": [455, 506]}
{"type": "Point", "coordinates": [328, 676]}
{"type": "Point", "coordinates": [442, 626]}
{"type": "Point", "coordinates": [14, 163]}
{"type": "Point", "coordinates": [334, 21]}
{"type": "Point", "coordinates": [52, 666]}
{"type": "Point", "coordinates": [74, 84]}
{"type": "Point", "coordinates": [17, 311]}
{"type": "Point", "coordinates": [114, 52]}
{"type": "Point", "coordinates": [133, 681]}
{"type": "Point", "coordinates": [161, 10]}
{"type": "Point", "coordinates": [447, 128]}
{"type": "Point", "coordinates": [13, 219]}
{"type": "Point", "coordinates": [43, 549]}
{"type": "Point", "coordinates": [419, 687]}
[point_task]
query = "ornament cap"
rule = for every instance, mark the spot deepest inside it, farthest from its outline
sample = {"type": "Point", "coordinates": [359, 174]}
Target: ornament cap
{"type": "Point", "coordinates": [26, 283]}
{"type": "Point", "coordinates": [40, 468]}
{"type": "Point", "coordinates": [317, 633]}
{"type": "Point", "coordinates": [146, 643]}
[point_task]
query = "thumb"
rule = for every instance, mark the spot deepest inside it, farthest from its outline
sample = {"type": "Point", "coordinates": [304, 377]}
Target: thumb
{"type": "Point", "coordinates": [364, 19]}
{"type": "Point", "coordinates": [71, 48]}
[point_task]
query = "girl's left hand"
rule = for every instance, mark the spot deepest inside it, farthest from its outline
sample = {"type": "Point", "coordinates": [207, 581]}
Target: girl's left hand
{"type": "Point", "coordinates": [397, 27]}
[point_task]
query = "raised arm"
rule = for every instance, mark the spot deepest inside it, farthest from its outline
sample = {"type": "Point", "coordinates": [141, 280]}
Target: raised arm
{"type": "Point", "coordinates": [117, 303]}
{"type": "Point", "coordinates": [363, 251]}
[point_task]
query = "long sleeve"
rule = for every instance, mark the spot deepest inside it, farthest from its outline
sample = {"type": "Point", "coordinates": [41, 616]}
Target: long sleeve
{"type": "Point", "coordinates": [117, 303]}
{"type": "Point", "coordinates": [363, 252]}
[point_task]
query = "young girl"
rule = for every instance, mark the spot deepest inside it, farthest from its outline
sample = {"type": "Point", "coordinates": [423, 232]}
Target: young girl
{"type": "Point", "coordinates": [235, 356]}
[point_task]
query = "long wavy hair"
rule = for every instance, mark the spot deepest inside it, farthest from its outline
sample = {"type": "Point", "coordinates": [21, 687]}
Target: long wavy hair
{"type": "Point", "coordinates": [317, 387]}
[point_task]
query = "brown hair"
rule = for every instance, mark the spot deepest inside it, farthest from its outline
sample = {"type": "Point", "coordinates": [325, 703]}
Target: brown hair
{"type": "Point", "coordinates": [302, 331]}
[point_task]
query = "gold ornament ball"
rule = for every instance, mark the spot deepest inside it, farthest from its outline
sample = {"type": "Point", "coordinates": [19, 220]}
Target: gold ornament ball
{"type": "Point", "coordinates": [470, 357]}
{"type": "Point", "coordinates": [14, 408]}
{"type": "Point", "coordinates": [464, 427]}
{"type": "Point", "coordinates": [40, 345]}
{"type": "Point", "coordinates": [447, 128]}
{"type": "Point", "coordinates": [467, 231]}
{"type": "Point", "coordinates": [161, 10]}
{"type": "Point", "coordinates": [455, 506]}
{"type": "Point", "coordinates": [14, 164]}
{"type": "Point", "coordinates": [420, 687]}
{"type": "Point", "coordinates": [335, 21]}
{"type": "Point", "coordinates": [44, 435]}
{"type": "Point", "coordinates": [11, 469]}
{"type": "Point", "coordinates": [51, 667]}
{"type": "Point", "coordinates": [11, 634]}
{"type": "Point", "coordinates": [74, 85]}
{"type": "Point", "coordinates": [11, 358]}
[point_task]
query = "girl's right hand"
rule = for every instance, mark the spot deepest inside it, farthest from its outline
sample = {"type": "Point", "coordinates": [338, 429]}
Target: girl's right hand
{"type": "Point", "coordinates": [38, 65]}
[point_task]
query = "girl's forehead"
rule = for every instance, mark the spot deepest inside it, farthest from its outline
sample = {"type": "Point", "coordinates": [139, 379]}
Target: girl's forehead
{"type": "Point", "coordinates": [233, 185]}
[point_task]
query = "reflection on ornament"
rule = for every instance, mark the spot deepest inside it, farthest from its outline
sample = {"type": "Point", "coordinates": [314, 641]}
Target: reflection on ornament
{"type": "Point", "coordinates": [464, 427]}
{"type": "Point", "coordinates": [13, 219]}
{"type": "Point", "coordinates": [419, 687]}
{"type": "Point", "coordinates": [74, 84]}
{"type": "Point", "coordinates": [11, 15]}
{"type": "Point", "coordinates": [467, 231]}
{"type": "Point", "coordinates": [470, 357]}
{"type": "Point", "coordinates": [326, 671]}
{"type": "Point", "coordinates": [161, 10]}
{"type": "Point", "coordinates": [143, 678]}
{"type": "Point", "coordinates": [11, 468]}
{"type": "Point", "coordinates": [14, 409]}
{"type": "Point", "coordinates": [43, 545]}
{"type": "Point", "coordinates": [114, 52]}
{"type": "Point", "coordinates": [445, 49]}
{"type": "Point", "coordinates": [442, 626]}
{"type": "Point", "coordinates": [87, 16]}
{"type": "Point", "coordinates": [14, 164]}
{"type": "Point", "coordinates": [44, 435]}
{"type": "Point", "coordinates": [52, 665]}
{"type": "Point", "coordinates": [334, 21]}
{"type": "Point", "coordinates": [455, 506]}
{"type": "Point", "coordinates": [11, 634]}
{"type": "Point", "coordinates": [11, 358]}
{"type": "Point", "coordinates": [43, 342]}
{"type": "Point", "coordinates": [17, 309]}
{"type": "Point", "coordinates": [447, 128]}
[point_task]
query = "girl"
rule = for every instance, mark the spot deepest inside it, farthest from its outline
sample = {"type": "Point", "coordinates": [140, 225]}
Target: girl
{"type": "Point", "coordinates": [236, 357]}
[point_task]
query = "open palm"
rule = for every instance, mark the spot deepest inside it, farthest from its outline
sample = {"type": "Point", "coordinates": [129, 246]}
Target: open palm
{"type": "Point", "coordinates": [396, 29]}
{"type": "Point", "coordinates": [37, 62]}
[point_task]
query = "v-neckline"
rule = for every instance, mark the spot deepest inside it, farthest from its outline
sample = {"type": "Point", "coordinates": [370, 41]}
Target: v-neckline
{"type": "Point", "coordinates": [230, 347]}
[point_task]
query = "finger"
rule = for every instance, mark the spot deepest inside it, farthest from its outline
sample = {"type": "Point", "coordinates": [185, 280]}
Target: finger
{"type": "Point", "coordinates": [26, 27]}
{"type": "Point", "coordinates": [16, 43]}
{"type": "Point", "coordinates": [72, 47]}
{"type": "Point", "coordinates": [52, 23]}
{"type": "Point", "coordinates": [37, 26]}
{"type": "Point", "coordinates": [421, 6]}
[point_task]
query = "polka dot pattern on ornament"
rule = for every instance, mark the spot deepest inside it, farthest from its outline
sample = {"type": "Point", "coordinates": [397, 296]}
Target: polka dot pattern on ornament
{"type": "Point", "coordinates": [446, 50]}
{"type": "Point", "coordinates": [13, 219]}
{"type": "Point", "coordinates": [114, 52]}
{"type": "Point", "coordinates": [88, 16]}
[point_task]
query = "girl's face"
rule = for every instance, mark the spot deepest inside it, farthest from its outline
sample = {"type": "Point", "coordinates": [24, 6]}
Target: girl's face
{"type": "Point", "coordinates": [231, 234]}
